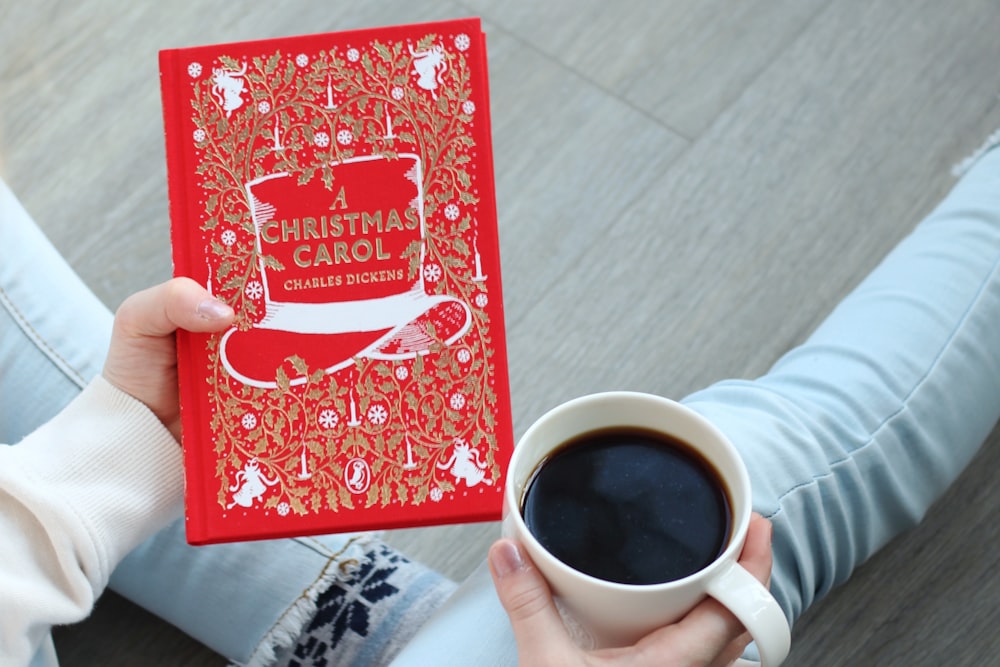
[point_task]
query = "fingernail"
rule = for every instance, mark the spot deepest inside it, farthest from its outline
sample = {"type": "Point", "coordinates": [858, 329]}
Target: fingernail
{"type": "Point", "coordinates": [213, 309]}
{"type": "Point", "coordinates": [506, 558]}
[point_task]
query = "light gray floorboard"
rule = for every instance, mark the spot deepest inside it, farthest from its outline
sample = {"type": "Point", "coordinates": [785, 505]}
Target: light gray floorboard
{"type": "Point", "coordinates": [685, 189]}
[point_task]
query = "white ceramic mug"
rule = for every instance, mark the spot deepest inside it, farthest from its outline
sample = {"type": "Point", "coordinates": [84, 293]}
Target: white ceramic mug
{"type": "Point", "coordinates": [615, 614]}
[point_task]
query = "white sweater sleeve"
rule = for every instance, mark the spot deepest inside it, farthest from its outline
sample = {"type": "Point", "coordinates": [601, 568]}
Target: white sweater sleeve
{"type": "Point", "coordinates": [75, 497]}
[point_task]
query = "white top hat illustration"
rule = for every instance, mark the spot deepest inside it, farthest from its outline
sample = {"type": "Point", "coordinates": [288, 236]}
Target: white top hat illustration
{"type": "Point", "coordinates": [341, 268]}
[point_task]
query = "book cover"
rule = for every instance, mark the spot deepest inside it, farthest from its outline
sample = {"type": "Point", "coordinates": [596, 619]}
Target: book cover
{"type": "Point", "coordinates": [337, 191]}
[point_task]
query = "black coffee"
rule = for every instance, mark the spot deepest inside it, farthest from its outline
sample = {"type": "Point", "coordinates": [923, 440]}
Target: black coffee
{"type": "Point", "coordinates": [628, 505]}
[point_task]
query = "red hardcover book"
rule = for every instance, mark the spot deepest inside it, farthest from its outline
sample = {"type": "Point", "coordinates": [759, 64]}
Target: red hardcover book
{"type": "Point", "coordinates": [337, 191]}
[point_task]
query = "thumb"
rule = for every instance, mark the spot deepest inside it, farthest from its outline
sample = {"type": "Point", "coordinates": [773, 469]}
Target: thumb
{"type": "Point", "coordinates": [526, 598]}
{"type": "Point", "coordinates": [180, 303]}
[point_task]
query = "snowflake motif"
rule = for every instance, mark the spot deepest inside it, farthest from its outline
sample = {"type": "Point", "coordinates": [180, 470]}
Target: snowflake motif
{"type": "Point", "coordinates": [464, 356]}
{"type": "Point", "coordinates": [328, 418]}
{"type": "Point", "coordinates": [194, 70]}
{"type": "Point", "coordinates": [353, 55]}
{"type": "Point", "coordinates": [264, 106]}
{"type": "Point", "coordinates": [321, 139]}
{"type": "Point", "coordinates": [432, 273]}
{"type": "Point", "coordinates": [468, 107]}
{"type": "Point", "coordinates": [482, 300]}
{"type": "Point", "coordinates": [397, 93]}
{"type": "Point", "coordinates": [402, 373]}
{"type": "Point", "coordinates": [254, 290]}
{"type": "Point", "coordinates": [437, 494]}
{"type": "Point", "coordinates": [377, 414]}
{"type": "Point", "coordinates": [302, 60]}
{"type": "Point", "coordinates": [199, 135]}
{"type": "Point", "coordinates": [249, 421]}
{"type": "Point", "coordinates": [228, 238]}
{"type": "Point", "coordinates": [451, 212]}
{"type": "Point", "coordinates": [457, 401]}
{"type": "Point", "coordinates": [284, 509]}
{"type": "Point", "coordinates": [351, 608]}
{"type": "Point", "coordinates": [344, 137]}
{"type": "Point", "coordinates": [462, 42]}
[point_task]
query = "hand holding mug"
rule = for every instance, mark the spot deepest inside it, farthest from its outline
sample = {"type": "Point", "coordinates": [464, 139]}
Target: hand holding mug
{"type": "Point", "coordinates": [635, 509]}
{"type": "Point", "coordinates": [708, 636]}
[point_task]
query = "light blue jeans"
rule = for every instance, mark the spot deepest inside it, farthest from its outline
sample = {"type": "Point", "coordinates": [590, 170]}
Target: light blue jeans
{"type": "Point", "coordinates": [849, 438]}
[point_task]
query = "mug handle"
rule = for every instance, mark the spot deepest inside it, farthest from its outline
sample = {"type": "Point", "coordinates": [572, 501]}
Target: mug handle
{"type": "Point", "coordinates": [751, 602]}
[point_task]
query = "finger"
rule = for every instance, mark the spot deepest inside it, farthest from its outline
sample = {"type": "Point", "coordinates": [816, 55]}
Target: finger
{"type": "Point", "coordinates": [733, 651]}
{"type": "Point", "coordinates": [708, 635]}
{"type": "Point", "coordinates": [180, 303]}
{"type": "Point", "coordinates": [757, 556]}
{"type": "Point", "coordinates": [526, 598]}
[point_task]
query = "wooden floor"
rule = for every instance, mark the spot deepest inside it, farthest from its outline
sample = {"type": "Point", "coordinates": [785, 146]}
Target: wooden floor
{"type": "Point", "coordinates": [686, 188]}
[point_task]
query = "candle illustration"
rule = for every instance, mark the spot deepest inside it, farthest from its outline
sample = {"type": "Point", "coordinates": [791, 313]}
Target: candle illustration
{"type": "Point", "coordinates": [479, 277]}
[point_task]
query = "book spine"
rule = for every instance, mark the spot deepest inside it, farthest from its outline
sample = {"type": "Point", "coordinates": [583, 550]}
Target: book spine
{"type": "Point", "coordinates": [183, 251]}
